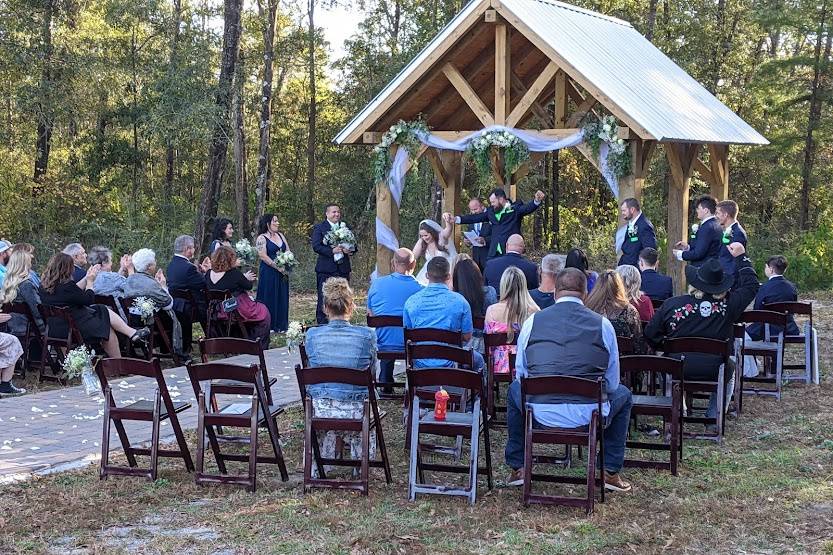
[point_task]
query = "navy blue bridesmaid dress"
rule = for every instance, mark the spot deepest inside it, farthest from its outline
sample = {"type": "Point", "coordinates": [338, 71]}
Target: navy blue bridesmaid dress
{"type": "Point", "coordinates": [273, 288]}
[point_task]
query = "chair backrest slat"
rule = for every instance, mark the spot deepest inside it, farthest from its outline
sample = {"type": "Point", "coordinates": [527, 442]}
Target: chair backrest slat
{"type": "Point", "coordinates": [384, 321]}
{"type": "Point", "coordinates": [455, 355]}
{"type": "Point", "coordinates": [419, 335]}
{"type": "Point", "coordinates": [563, 385]}
{"type": "Point", "coordinates": [625, 345]}
{"type": "Point", "coordinates": [499, 339]}
{"type": "Point", "coordinates": [447, 377]}
{"type": "Point", "coordinates": [719, 347]}
{"type": "Point", "coordinates": [228, 346]}
{"type": "Point", "coordinates": [652, 363]}
{"type": "Point", "coordinates": [333, 374]}
{"type": "Point", "coordinates": [223, 371]}
{"type": "Point", "coordinates": [765, 317]}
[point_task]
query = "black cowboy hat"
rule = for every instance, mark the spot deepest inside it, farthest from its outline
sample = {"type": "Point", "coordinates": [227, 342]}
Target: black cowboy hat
{"type": "Point", "coordinates": [709, 278]}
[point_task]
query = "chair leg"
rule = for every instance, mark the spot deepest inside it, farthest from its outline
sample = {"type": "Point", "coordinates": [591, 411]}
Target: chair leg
{"type": "Point", "coordinates": [365, 469]}
{"type": "Point", "coordinates": [253, 444]}
{"type": "Point", "coordinates": [180, 440]}
{"type": "Point", "coordinates": [308, 439]}
{"type": "Point", "coordinates": [474, 457]}
{"type": "Point", "coordinates": [125, 443]}
{"type": "Point", "coordinates": [414, 445]}
{"type": "Point", "coordinates": [274, 438]}
{"type": "Point", "coordinates": [487, 446]}
{"type": "Point", "coordinates": [200, 437]}
{"type": "Point", "coordinates": [527, 486]}
{"type": "Point", "coordinates": [591, 465]}
{"type": "Point", "coordinates": [105, 442]}
{"type": "Point", "coordinates": [383, 451]}
{"type": "Point", "coordinates": [215, 447]}
{"type": "Point", "coordinates": [154, 438]}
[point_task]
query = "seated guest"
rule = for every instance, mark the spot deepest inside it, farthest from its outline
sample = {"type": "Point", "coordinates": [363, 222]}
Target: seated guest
{"type": "Point", "coordinates": [29, 248]}
{"type": "Point", "coordinates": [109, 282]}
{"type": "Point", "coordinates": [148, 281]}
{"type": "Point", "coordinates": [436, 306]}
{"type": "Point", "coordinates": [611, 301]}
{"type": "Point", "coordinates": [5, 252]}
{"type": "Point", "coordinates": [777, 289]}
{"type": "Point", "coordinates": [507, 316]}
{"type": "Point", "coordinates": [544, 294]}
{"type": "Point", "coordinates": [657, 286]}
{"type": "Point", "coordinates": [79, 261]}
{"type": "Point", "coordinates": [576, 258]}
{"type": "Point", "coordinates": [386, 297]}
{"type": "Point", "coordinates": [10, 351]}
{"type": "Point", "coordinates": [226, 276]}
{"type": "Point", "coordinates": [187, 276]}
{"type": "Point", "coordinates": [18, 288]}
{"type": "Point", "coordinates": [632, 280]}
{"type": "Point", "coordinates": [514, 257]}
{"type": "Point", "coordinates": [710, 309]}
{"type": "Point", "coordinates": [468, 281]}
{"type": "Point", "coordinates": [97, 323]}
{"type": "Point", "coordinates": [340, 343]}
{"type": "Point", "coordinates": [569, 339]}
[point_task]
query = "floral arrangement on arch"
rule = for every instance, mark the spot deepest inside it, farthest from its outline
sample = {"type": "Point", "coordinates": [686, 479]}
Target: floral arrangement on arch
{"type": "Point", "coordinates": [403, 133]}
{"type": "Point", "coordinates": [515, 152]}
{"type": "Point", "coordinates": [598, 131]}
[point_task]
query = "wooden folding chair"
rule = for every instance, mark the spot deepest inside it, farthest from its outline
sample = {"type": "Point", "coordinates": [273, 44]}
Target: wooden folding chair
{"type": "Point", "coordinates": [222, 327]}
{"type": "Point", "coordinates": [493, 381]}
{"type": "Point", "coordinates": [388, 322]}
{"type": "Point", "coordinates": [161, 408]}
{"type": "Point", "coordinates": [60, 345]}
{"type": "Point", "coordinates": [536, 434]}
{"type": "Point", "coordinates": [159, 343]}
{"type": "Point", "coordinates": [247, 381]}
{"type": "Point", "coordinates": [656, 303]}
{"type": "Point", "coordinates": [625, 345]}
{"type": "Point", "coordinates": [457, 424]}
{"type": "Point", "coordinates": [770, 350]}
{"type": "Point", "coordinates": [808, 338]}
{"type": "Point", "coordinates": [692, 388]}
{"type": "Point", "coordinates": [234, 346]}
{"type": "Point", "coordinates": [313, 425]}
{"type": "Point", "coordinates": [194, 314]}
{"type": "Point", "coordinates": [30, 336]}
{"type": "Point", "coordinates": [668, 407]}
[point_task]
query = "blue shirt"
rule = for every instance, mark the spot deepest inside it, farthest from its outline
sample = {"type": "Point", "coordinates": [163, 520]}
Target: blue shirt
{"type": "Point", "coordinates": [2, 274]}
{"type": "Point", "coordinates": [386, 297]}
{"type": "Point", "coordinates": [570, 415]}
{"type": "Point", "coordinates": [340, 343]}
{"type": "Point", "coordinates": [436, 306]}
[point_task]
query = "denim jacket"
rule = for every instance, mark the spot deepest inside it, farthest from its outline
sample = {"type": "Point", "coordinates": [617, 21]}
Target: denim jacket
{"type": "Point", "coordinates": [340, 343]}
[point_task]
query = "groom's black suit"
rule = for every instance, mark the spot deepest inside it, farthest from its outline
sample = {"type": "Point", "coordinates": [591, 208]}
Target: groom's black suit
{"type": "Point", "coordinates": [509, 223]}
{"type": "Point", "coordinates": [326, 266]}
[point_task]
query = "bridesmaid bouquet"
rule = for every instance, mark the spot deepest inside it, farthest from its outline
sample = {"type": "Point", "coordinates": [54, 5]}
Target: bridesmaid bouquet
{"type": "Point", "coordinates": [245, 251]}
{"type": "Point", "coordinates": [340, 236]}
{"type": "Point", "coordinates": [285, 261]}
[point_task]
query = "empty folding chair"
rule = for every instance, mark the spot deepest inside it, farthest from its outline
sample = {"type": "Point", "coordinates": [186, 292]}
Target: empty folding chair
{"type": "Point", "coordinates": [492, 341]}
{"type": "Point", "coordinates": [770, 350]}
{"type": "Point", "coordinates": [807, 338]}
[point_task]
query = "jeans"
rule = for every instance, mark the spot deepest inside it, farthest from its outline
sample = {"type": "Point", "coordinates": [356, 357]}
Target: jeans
{"type": "Point", "coordinates": [386, 371]}
{"type": "Point", "coordinates": [614, 437]}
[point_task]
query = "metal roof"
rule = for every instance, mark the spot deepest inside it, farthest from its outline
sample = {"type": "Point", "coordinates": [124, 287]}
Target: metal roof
{"type": "Point", "coordinates": [636, 81]}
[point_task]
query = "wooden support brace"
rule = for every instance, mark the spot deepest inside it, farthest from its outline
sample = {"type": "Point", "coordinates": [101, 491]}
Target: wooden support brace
{"type": "Point", "coordinates": [681, 158]}
{"type": "Point", "coordinates": [469, 95]}
{"type": "Point", "coordinates": [502, 75]}
{"type": "Point", "coordinates": [541, 83]}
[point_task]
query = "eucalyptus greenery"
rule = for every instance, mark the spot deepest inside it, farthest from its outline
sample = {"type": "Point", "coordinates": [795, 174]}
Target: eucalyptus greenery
{"type": "Point", "coordinates": [598, 131]}
{"type": "Point", "coordinates": [404, 134]}
{"type": "Point", "coordinates": [515, 152]}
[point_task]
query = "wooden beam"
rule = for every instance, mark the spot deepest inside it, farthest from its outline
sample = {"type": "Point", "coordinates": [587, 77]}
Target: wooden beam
{"type": "Point", "coordinates": [681, 157]}
{"type": "Point", "coordinates": [452, 165]}
{"type": "Point", "coordinates": [705, 172]}
{"type": "Point", "coordinates": [719, 162]}
{"type": "Point", "coordinates": [490, 16]}
{"type": "Point", "coordinates": [631, 185]}
{"type": "Point", "coordinates": [548, 133]}
{"type": "Point", "coordinates": [538, 86]}
{"type": "Point", "coordinates": [560, 99]}
{"type": "Point", "coordinates": [437, 165]}
{"type": "Point", "coordinates": [582, 110]}
{"type": "Point", "coordinates": [469, 95]}
{"type": "Point", "coordinates": [371, 137]}
{"type": "Point", "coordinates": [497, 167]}
{"type": "Point", "coordinates": [520, 89]}
{"type": "Point", "coordinates": [502, 77]}
{"type": "Point", "coordinates": [534, 159]}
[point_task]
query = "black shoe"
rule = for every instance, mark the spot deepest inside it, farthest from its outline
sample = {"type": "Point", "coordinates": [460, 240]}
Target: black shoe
{"type": "Point", "coordinates": [141, 336]}
{"type": "Point", "coordinates": [8, 389]}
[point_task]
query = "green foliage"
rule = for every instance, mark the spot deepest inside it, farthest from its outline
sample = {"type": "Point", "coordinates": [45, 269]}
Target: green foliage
{"type": "Point", "coordinates": [510, 147]}
{"type": "Point", "coordinates": [403, 133]}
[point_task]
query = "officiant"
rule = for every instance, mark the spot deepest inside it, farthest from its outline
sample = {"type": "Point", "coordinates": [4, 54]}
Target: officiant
{"type": "Point", "coordinates": [333, 260]}
{"type": "Point", "coordinates": [483, 230]}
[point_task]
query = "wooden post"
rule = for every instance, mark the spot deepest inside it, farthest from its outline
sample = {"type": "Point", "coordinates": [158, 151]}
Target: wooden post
{"type": "Point", "coordinates": [719, 162]}
{"type": "Point", "coordinates": [631, 185]}
{"type": "Point", "coordinates": [502, 76]}
{"type": "Point", "coordinates": [681, 161]}
{"type": "Point", "coordinates": [452, 165]}
{"type": "Point", "coordinates": [388, 213]}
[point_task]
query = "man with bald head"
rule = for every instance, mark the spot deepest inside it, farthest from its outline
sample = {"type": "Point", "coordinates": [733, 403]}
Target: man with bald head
{"type": "Point", "coordinates": [514, 257]}
{"type": "Point", "coordinates": [386, 297]}
{"type": "Point", "coordinates": [569, 339]}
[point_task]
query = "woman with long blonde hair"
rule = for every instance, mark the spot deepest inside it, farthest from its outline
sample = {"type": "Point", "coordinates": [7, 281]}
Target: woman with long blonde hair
{"type": "Point", "coordinates": [632, 280]}
{"type": "Point", "coordinates": [508, 315]}
{"type": "Point", "coordinates": [18, 287]}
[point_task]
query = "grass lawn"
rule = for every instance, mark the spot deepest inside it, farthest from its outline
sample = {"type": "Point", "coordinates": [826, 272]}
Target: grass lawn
{"type": "Point", "coordinates": [767, 489]}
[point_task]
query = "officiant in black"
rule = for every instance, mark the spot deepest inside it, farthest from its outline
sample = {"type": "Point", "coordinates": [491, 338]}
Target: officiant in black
{"type": "Point", "coordinates": [480, 248]}
{"type": "Point", "coordinates": [333, 261]}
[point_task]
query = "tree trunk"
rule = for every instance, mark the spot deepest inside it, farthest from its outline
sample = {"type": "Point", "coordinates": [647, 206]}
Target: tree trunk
{"type": "Point", "coordinates": [240, 182]}
{"type": "Point", "coordinates": [45, 117]}
{"type": "Point", "coordinates": [217, 151]}
{"type": "Point", "coordinates": [819, 66]}
{"type": "Point", "coordinates": [134, 112]}
{"type": "Point", "coordinates": [312, 117]}
{"type": "Point", "coordinates": [555, 195]}
{"type": "Point", "coordinates": [652, 20]}
{"type": "Point", "coordinates": [170, 148]}
{"type": "Point", "coordinates": [264, 157]}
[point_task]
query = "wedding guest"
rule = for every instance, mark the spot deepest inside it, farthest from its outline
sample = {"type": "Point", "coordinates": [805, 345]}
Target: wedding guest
{"type": "Point", "coordinates": [333, 261]}
{"type": "Point", "coordinates": [570, 339]}
{"type": "Point", "coordinates": [654, 284]}
{"type": "Point", "coordinates": [10, 351]}
{"type": "Point", "coordinates": [639, 234]}
{"type": "Point", "coordinates": [576, 258]}
{"type": "Point", "coordinates": [468, 281]}
{"type": "Point", "coordinates": [514, 256]}
{"type": "Point", "coordinates": [544, 294]}
{"type": "Point", "coordinates": [108, 282]}
{"type": "Point", "coordinates": [710, 309]}
{"type": "Point", "coordinates": [632, 280]}
{"type": "Point", "coordinates": [777, 289]}
{"type": "Point", "coordinates": [184, 275]}
{"type": "Point", "coordinates": [97, 323]}
{"type": "Point", "coordinates": [273, 281]}
{"type": "Point", "coordinates": [5, 252]}
{"type": "Point", "coordinates": [19, 288]}
{"type": "Point", "coordinates": [479, 250]}
{"type": "Point", "coordinates": [706, 238]}
{"type": "Point", "coordinates": [79, 261]}
{"type": "Point", "coordinates": [340, 343]}
{"type": "Point", "coordinates": [507, 316]}
{"type": "Point", "coordinates": [222, 234]}
{"type": "Point", "coordinates": [386, 297]}
{"type": "Point", "coordinates": [611, 301]}
{"type": "Point", "coordinates": [30, 249]}
{"type": "Point", "coordinates": [726, 215]}
{"type": "Point", "coordinates": [224, 275]}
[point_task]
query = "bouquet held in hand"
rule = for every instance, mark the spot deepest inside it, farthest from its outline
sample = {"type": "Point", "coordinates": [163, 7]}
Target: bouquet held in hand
{"type": "Point", "coordinates": [340, 236]}
{"type": "Point", "coordinates": [245, 251]}
{"type": "Point", "coordinates": [285, 261]}
{"type": "Point", "coordinates": [144, 308]}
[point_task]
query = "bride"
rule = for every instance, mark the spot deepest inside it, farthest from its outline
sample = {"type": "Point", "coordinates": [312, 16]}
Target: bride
{"type": "Point", "coordinates": [434, 241]}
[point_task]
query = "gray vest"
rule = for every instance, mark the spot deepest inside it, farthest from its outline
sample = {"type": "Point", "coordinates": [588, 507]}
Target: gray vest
{"type": "Point", "coordinates": [566, 340]}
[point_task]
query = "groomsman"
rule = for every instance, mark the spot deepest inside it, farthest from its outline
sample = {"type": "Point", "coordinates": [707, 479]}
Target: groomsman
{"type": "Point", "coordinates": [479, 250]}
{"type": "Point", "coordinates": [505, 216]}
{"type": "Point", "coordinates": [726, 214]}
{"type": "Point", "coordinates": [328, 265]}
{"type": "Point", "coordinates": [639, 233]}
{"type": "Point", "coordinates": [706, 237]}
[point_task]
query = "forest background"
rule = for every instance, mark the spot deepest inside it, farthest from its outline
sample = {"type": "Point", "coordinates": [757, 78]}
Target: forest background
{"type": "Point", "coordinates": [128, 122]}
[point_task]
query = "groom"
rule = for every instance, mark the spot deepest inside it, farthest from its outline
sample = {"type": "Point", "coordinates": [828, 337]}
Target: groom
{"type": "Point", "coordinates": [504, 216]}
{"type": "Point", "coordinates": [328, 265]}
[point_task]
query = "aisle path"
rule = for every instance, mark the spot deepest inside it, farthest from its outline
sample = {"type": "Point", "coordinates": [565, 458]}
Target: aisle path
{"type": "Point", "coordinates": [59, 429]}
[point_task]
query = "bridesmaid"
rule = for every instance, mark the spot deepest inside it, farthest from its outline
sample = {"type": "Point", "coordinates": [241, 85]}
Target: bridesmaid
{"type": "Point", "coordinates": [273, 284]}
{"type": "Point", "coordinates": [223, 232]}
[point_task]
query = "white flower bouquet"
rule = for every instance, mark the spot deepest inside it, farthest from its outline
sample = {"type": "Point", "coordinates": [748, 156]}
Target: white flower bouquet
{"type": "Point", "coordinates": [245, 251]}
{"type": "Point", "coordinates": [79, 362]}
{"type": "Point", "coordinates": [340, 236]}
{"type": "Point", "coordinates": [404, 133]}
{"type": "Point", "coordinates": [285, 261]}
{"type": "Point", "coordinates": [294, 335]}
{"type": "Point", "coordinates": [515, 152]}
{"type": "Point", "coordinates": [144, 308]}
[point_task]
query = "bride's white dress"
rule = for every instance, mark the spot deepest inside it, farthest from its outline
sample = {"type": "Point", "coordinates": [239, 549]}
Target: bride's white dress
{"type": "Point", "coordinates": [452, 252]}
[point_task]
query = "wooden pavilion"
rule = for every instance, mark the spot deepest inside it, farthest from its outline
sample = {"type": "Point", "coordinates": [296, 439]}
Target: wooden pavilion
{"type": "Point", "coordinates": [543, 65]}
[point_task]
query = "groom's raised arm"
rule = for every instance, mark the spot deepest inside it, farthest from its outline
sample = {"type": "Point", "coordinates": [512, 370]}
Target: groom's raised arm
{"type": "Point", "coordinates": [531, 206]}
{"type": "Point", "coordinates": [472, 218]}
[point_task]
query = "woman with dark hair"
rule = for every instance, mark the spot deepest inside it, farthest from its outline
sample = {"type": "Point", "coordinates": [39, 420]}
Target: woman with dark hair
{"type": "Point", "coordinates": [273, 282]}
{"type": "Point", "coordinates": [97, 323]}
{"type": "Point", "coordinates": [434, 241]}
{"type": "Point", "coordinates": [577, 259]}
{"type": "Point", "coordinates": [468, 281]}
{"type": "Point", "coordinates": [224, 275]}
{"type": "Point", "coordinates": [222, 234]}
